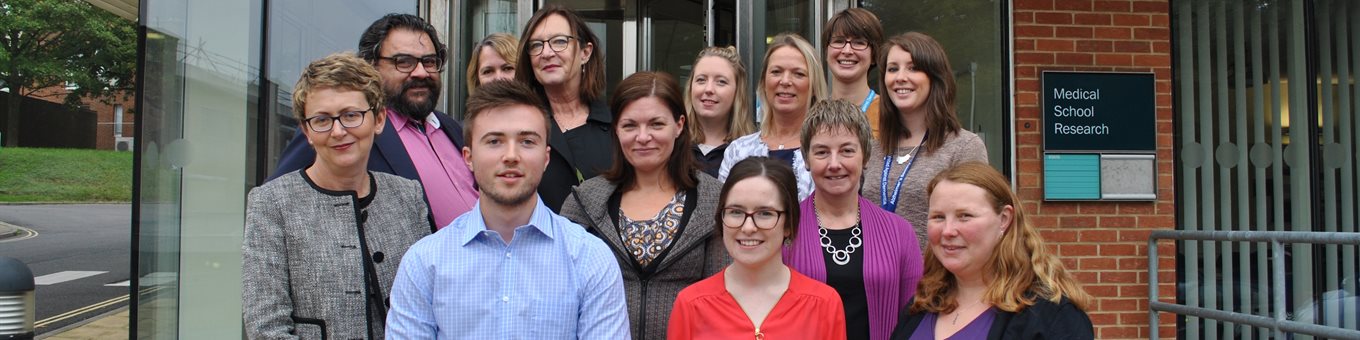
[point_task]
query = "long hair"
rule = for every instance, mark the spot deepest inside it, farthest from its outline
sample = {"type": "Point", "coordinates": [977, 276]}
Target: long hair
{"type": "Point", "coordinates": [680, 167]}
{"type": "Point", "coordinates": [814, 67]}
{"type": "Point", "coordinates": [592, 79]}
{"type": "Point", "coordinates": [941, 122]}
{"type": "Point", "coordinates": [776, 171]}
{"type": "Point", "coordinates": [739, 122]}
{"type": "Point", "coordinates": [503, 43]}
{"type": "Point", "coordinates": [1021, 267]}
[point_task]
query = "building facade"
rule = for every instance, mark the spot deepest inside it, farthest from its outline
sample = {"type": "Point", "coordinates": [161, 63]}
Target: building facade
{"type": "Point", "coordinates": [216, 76]}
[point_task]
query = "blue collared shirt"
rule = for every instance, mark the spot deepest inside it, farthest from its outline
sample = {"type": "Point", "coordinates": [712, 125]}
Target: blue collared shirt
{"type": "Point", "coordinates": [552, 281]}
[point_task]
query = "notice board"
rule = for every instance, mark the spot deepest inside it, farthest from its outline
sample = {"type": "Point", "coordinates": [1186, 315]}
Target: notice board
{"type": "Point", "coordinates": [1099, 111]}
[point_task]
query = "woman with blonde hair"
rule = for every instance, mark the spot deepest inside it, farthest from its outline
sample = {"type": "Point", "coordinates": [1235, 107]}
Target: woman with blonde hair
{"type": "Point", "coordinates": [792, 80]}
{"type": "Point", "coordinates": [718, 105]}
{"type": "Point", "coordinates": [988, 273]}
{"type": "Point", "coordinates": [322, 243]}
{"type": "Point", "coordinates": [492, 58]}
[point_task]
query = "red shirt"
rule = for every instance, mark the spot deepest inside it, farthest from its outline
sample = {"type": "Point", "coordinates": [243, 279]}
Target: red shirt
{"type": "Point", "coordinates": [808, 310]}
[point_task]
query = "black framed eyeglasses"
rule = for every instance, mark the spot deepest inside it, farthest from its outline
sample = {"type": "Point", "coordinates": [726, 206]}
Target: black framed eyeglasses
{"type": "Point", "coordinates": [763, 219]}
{"type": "Point", "coordinates": [855, 44]}
{"type": "Point", "coordinates": [347, 119]}
{"type": "Point", "coordinates": [558, 44]}
{"type": "Point", "coordinates": [406, 63]}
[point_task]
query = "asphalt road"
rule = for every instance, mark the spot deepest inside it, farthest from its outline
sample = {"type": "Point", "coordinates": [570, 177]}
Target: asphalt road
{"type": "Point", "coordinates": [73, 238]}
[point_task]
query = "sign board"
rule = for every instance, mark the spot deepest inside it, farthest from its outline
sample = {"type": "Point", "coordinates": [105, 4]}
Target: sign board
{"type": "Point", "coordinates": [1099, 111]}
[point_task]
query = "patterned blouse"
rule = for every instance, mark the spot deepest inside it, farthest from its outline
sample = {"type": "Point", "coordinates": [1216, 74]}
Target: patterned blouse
{"type": "Point", "coordinates": [647, 239]}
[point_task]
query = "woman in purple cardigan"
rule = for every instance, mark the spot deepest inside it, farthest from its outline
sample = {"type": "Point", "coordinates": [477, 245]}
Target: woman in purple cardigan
{"type": "Point", "coordinates": [869, 255]}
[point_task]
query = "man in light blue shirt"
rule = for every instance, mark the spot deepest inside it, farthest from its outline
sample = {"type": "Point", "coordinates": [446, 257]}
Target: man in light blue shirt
{"type": "Point", "coordinates": [510, 268]}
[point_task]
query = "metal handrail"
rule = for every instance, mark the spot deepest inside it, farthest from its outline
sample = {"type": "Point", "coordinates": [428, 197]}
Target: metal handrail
{"type": "Point", "coordinates": [1280, 324]}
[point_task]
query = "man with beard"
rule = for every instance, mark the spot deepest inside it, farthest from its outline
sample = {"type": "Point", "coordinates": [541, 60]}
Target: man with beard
{"type": "Point", "coordinates": [422, 144]}
{"type": "Point", "coordinates": [510, 268]}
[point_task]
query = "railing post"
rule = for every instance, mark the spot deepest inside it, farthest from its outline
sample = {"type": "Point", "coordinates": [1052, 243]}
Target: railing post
{"type": "Point", "coordinates": [1153, 322]}
{"type": "Point", "coordinates": [1277, 287]}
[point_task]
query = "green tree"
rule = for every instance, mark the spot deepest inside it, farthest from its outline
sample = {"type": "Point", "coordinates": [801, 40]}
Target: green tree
{"type": "Point", "coordinates": [46, 43]}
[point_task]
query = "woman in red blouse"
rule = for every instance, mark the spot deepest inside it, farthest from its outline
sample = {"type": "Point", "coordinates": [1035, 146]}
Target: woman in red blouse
{"type": "Point", "coordinates": [757, 296]}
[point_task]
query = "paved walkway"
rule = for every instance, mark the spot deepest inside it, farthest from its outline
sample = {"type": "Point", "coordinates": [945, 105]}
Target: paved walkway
{"type": "Point", "coordinates": [113, 325]}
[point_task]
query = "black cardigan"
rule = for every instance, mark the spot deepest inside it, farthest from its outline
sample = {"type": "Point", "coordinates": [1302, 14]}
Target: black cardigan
{"type": "Point", "coordinates": [1043, 320]}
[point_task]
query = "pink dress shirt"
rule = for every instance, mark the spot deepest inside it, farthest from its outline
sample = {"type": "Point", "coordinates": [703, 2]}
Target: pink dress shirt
{"type": "Point", "coordinates": [446, 178]}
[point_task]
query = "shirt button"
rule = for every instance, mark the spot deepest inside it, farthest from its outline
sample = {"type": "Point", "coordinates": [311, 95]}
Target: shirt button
{"type": "Point", "coordinates": [507, 255]}
{"type": "Point", "coordinates": [505, 299]}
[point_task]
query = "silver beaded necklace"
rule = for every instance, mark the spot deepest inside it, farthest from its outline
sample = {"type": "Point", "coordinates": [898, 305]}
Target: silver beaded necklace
{"type": "Point", "coordinates": [840, 256]}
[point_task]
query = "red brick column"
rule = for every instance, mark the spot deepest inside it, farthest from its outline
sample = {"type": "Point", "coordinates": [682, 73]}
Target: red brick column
{"type": "Point", "coordinates": [1104, 242]}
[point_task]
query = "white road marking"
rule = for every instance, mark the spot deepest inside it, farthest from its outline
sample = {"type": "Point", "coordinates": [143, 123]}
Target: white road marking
{"type": "Point", "coordinates": [157, 278]}
{"type": "Point", "coordinates": [59, 277]}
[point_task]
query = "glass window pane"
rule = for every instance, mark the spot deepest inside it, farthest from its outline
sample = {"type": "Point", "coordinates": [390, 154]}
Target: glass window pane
{"type": "Point", "coordinates": [971, 33]}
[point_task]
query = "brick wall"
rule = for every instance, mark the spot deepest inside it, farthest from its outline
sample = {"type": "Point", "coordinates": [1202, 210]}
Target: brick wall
{"type": "Point", "coordinates": [1104, 242]}
{"type": "Point", "coordinates": [104, 125]}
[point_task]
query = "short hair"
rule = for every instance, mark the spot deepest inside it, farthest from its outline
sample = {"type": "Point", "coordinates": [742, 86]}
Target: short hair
{"type": "Point", "coordinates": [338, 71]}
{"type": "Point", "coordinates": [777, 171]}
{"type": "Point", "coordinates": [646, 84]}
{"type": "Point", "coordinates": [828, 115]}
{"type": "Point", "coordinates": [498, 94]}
{"type": "Point", "coordinates": [370, 43]}
{"type": "Point", "coordinates": [814, 65]}
{"type": "Point", "coordinates": [503, 43]}
{"type": "Point", "coordinates": [592, 81]}
{"type": "Point", "coordinates": [927, 56]}
{"type": "Point", "coordinates": [1021, 266]}
{"type": "Point", "coordinates": [856, 22]}
{"type": "Point", "coordinates": [739, 121]}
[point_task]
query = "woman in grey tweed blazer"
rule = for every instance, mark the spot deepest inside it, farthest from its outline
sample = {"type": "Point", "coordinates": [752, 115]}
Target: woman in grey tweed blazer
{"type": "Point", "coordinates": [654, 208]}
{"type": "Point", "coordinates": [322, 244]}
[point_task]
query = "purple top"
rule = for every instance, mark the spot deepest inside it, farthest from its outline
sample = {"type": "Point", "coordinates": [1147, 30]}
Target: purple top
{"type": "Point", "coordinates": [892, 260]}
{"type": "Point", "coordinates": [974, 330]}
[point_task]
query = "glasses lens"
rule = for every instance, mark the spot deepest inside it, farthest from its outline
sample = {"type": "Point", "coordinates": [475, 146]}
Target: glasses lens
{"type": "Point", "coordinates": [765, 218]}
{"type": "Point", "coordinates": [352, 119]}
{"type": "Point", "coordinates": [837, 42]}
{"type": "Point", "coordinates": [432, 64]}
{"type": "Point", "coordinates": [535, 48]}
{"type": "Point", "coordinates": [859, 44]}
{"type": "Point", "coordinates": [320, 123]}
{"type": "Point", "coordinates": [560, 43]}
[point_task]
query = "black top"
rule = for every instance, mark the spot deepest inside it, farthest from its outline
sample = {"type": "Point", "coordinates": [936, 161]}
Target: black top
{"type": "Point", "coordinates": [1043, 320]}
{"type": "Point", "coordinates": [712, 161]}
{"type": "Point", "coordinates": [577, 155]}
{"type": "Point", "coordinates": [785, 155]}
{"type": "Point", "coordinates": [848, 280]}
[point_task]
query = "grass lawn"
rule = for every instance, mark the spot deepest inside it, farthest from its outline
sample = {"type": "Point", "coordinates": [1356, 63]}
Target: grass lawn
{"type": "Point", "coordinates": [65, 175]}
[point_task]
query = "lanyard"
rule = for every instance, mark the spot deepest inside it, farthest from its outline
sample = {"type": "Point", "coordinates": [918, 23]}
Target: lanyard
{"type": "Point", "coordinates": [891, 205]}
{"type": "Point", "coordinates": [864, 107]}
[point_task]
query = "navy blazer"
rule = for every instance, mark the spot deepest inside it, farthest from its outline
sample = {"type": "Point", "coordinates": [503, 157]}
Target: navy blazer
{"type": "Point", "coordinates": [388, 154]}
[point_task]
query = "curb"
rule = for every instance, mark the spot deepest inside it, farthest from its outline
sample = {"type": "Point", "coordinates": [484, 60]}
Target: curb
{"type": "Point", "coordinates": [8, 230]}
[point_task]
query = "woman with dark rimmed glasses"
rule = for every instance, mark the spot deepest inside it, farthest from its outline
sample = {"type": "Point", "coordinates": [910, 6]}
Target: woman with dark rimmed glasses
{"type": "Point", "coordinates": [322, 244]}
{"type": "Point", "coordinates": [757, 296]}
{"type": "Point", "coordinates": [560, 58]}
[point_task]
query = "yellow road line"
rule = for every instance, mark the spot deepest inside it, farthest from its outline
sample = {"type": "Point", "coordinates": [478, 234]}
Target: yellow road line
{"type": "Point", "coordinates": [78, 311]}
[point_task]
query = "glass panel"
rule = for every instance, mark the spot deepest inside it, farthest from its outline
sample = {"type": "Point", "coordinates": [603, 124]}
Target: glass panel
{"type": "Point", "coordinates": [194, 161]}
{"type": "Point", "coordinates": [1338, 61]}
{"type": "Point", "coordinates": [790, 16]}
{"type": "Point", "coordinates": [972, 34]}
{"type": "Point", "coordinates": [674, 35]}
{"type": "Point", "coordinates": [304, 30]}
{"type": "Point", "coordinates": [1262, 141]}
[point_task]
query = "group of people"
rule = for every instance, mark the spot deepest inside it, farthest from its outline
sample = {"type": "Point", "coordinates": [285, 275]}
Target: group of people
{"type": "Point", "coordinates": [849, 213]}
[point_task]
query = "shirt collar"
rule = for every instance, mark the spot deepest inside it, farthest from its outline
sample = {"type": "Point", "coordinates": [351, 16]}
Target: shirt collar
{"type": "Point", "coordinates": [541, 220]}
{"type": "Point", "coordinates": [400, 121]}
